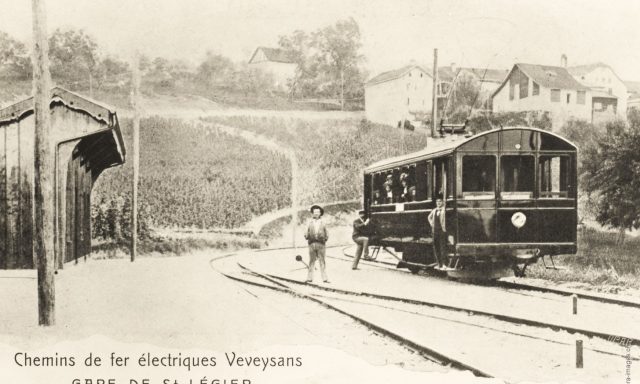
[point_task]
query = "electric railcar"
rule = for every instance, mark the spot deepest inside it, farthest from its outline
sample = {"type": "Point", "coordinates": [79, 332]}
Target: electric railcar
{"type": "Point", "coordinates": [510, 196]}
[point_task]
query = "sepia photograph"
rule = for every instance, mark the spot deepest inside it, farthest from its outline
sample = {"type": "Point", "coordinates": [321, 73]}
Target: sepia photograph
{"type": "Point", "coordinates": [330, 192]}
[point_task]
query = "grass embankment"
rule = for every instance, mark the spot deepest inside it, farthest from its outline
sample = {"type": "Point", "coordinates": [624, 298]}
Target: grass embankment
{"type": "Point", "coordinates": [600, 262]}
{"type": "Point", "coordinates": [161, 246]}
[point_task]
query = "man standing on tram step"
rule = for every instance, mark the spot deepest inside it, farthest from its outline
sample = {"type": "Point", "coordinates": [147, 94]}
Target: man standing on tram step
{"type": "Point", "coordinates": [317, 237]}
{"type": "Point", "coordinates": [362, 231]}
{"type": "Point", "coordinates": [439, 232]}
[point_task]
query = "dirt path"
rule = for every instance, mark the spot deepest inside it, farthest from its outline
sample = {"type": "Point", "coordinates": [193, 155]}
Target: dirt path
{"type": "Point", "coordinates": [181, 305]}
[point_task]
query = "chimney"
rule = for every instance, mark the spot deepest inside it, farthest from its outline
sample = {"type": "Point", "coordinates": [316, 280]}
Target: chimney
{"type": "Point", "coordinates": [563, 61]}
{"type": "Point", "coordinates": [454, 68]}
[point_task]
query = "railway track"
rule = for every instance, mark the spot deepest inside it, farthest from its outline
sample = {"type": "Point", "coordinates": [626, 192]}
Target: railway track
{"type": "Point", "coordinates": [510, 285]}
{"type": "Point", "coordinates": [362, 307]}
{"type": "Point", "coordinates": [257, 279]}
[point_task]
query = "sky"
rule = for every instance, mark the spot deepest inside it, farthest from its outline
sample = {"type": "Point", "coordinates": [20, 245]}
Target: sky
{"type": "Point", "coordinates": [480, 33]}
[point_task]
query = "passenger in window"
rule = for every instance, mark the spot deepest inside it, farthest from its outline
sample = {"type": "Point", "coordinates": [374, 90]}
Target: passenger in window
{"type": "Point", "coordinates": [412, 193]}
{"type": "Point", "coordinates": [389, 181]}
{"type": "Point", "coordinates": [389, 197]}
{"type": "Point", "coordinates": [405, 193]}
{"type": "Point", "coordinates": [376, 198]}
{"type": "Point", "coordinates": [438, 231]}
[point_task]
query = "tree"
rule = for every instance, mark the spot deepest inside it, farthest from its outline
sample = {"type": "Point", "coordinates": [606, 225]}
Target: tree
{"type": "Point", "coordinates": [298, 47]}
{"type": "Point", "coordinates": [328, 61]}
{"type": "Point", "coordinates": [15, 62]}
{"type": "Point", "coordinates": [74, 58]}
{"type": "Point", "coordinates": [463, 98]}
{"type": "Point", "coordinates": [339, 58]}
{"type": "Point", "coordinates": [215, 69]}
{"type": "Point", "coordinates": [611, 173]}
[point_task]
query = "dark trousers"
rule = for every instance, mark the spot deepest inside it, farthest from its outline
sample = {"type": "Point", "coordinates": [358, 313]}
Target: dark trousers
{"type": "Point", "coordinates": [363, 244]}
{"type": "Point", "coordinates": [440, 247]}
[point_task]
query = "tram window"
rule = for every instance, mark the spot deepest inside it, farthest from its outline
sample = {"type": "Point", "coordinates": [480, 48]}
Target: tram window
{"type": "Point", "coordinates": [478, 176]}
{"type": "Point", "coordinates": [440, 176]}
{"type": "Point", "coordinates": [423, 184]}
{"type": "Point", "coordinates": [407, 187]}
{"type": "Point", "coordinates": [378, 180]}
{"type": "Point", "coordinates": [518, 140]}
{"type": "Point", "coordinates": [554, 176]}
{"type": "Point", "coordinates": [517, 175]}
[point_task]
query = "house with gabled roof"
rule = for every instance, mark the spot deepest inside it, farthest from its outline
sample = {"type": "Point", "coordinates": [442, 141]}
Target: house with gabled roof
{"type": "Point", "coordinates": [401, 94]}
{"type": "Point", "coordinates": [534, 87]}
{"type": "Point", "coordinates": [602, 80]}
{"type": "Point", "coordinates": [276, 62]}
{"type": "Point", "coordinates": [633, 94]}
{"type": "Point", "coordinates": [488, 80]}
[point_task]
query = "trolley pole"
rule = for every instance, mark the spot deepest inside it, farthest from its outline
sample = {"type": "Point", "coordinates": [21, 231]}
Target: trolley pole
{"type": "Point", "coordinates": [43, 239]}
{"type": "Point", "coordinates": [136, 155]}
{"type": "Point", "coordinates": [434, 104]}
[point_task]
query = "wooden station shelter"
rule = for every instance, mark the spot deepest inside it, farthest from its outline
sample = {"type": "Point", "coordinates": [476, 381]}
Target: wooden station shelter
{"type": "Point", "coordinates": [86, 140]}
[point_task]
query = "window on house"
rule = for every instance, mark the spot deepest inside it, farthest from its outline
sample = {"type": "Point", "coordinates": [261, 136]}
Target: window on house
{"type": "Point", "coordinates": [568, 98]}
{"type": "Point", "coordinates": [524, 86]}
{"type": "Point", "coordinates": [555, 95]}
{"type": "Point", "coordinates": [517, 176]}
{"type": "Point", "coordinates": [536, 89]}
{"type": "Point", "coordinates": [511, 91]}
{"type": "Point", "coordinates": [421, 75]}
{"type": "Point", "coordinates": [597, 106]}
{"type": "Point", "coordinates": [408, 101]}
{"type": "Point", "coordinates": [554, 176]}
{"type": "Point", "coordinates": [478, 176]}
{"type": "Point", "coordinates": [581, 97]}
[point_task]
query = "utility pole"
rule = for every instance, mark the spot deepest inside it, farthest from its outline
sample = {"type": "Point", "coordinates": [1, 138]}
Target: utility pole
{"type": "Point", "coordinates": [294, 196]}
{"type": "Point", "coordinates": [136, 155]}
{"type": "Point", "coordinates": [434, 105]}
{"type": "Point", "coordinates": [342, 89]}
{"type": "Point", "coordinates": [43, 240]}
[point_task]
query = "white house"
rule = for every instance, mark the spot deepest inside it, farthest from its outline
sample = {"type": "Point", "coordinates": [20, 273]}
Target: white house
{"type": "Point", "coordinates": [602, 80]}
{"type": "Point", "coordinates": [633, 92]}
{"type": "Point", "coordinates": [276, 62]}
{"type": "Point", "coordinates": [488, 80]}
{"type": "Point", "coordinates": [532, 87]}
{"type": "Point", "coordinates": [400, 94]}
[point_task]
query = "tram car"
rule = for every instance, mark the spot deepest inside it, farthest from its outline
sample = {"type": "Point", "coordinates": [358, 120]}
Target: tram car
{"type": "Point", "coordinates": [510, 199]}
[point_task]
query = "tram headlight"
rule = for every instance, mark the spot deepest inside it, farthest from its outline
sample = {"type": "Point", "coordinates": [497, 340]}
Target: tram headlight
{"type": "Point", "coordinates": [452, 241]}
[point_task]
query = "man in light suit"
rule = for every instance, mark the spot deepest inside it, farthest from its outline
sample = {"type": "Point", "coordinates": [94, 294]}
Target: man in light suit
{"type": "Point", "coordinates": [317, 236]}
{"type": "Point", "coordinates": [439, 232]}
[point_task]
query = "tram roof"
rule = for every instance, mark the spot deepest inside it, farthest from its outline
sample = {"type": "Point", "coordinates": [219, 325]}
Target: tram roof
{"type": "Point", "coordinates": [445, 147]}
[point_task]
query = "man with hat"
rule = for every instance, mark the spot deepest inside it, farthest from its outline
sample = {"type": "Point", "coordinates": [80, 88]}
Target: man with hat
{"type": "Point", "coordinates": [317, 237]}
{"type": "Point", "coordinates": [439, 231]}
{"type": "Point", "coordinates": [362, 231]}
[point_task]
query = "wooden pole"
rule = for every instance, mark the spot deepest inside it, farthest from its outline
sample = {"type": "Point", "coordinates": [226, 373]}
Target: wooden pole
{"type": "Point", "coordinates": [294, 196]}
{"type": "Point", "coordinates": [342, 89]}
{"type": "Point", "coordinates": [574, 299]}
{"type": "Point", "coordinates": [434, 104]}
{"type": "Point", "coordinates": [579, 354]}
{"type": "Point", "coordinates": [136, 156]}
{"type": "Point", "coordinates": [43, 241]}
